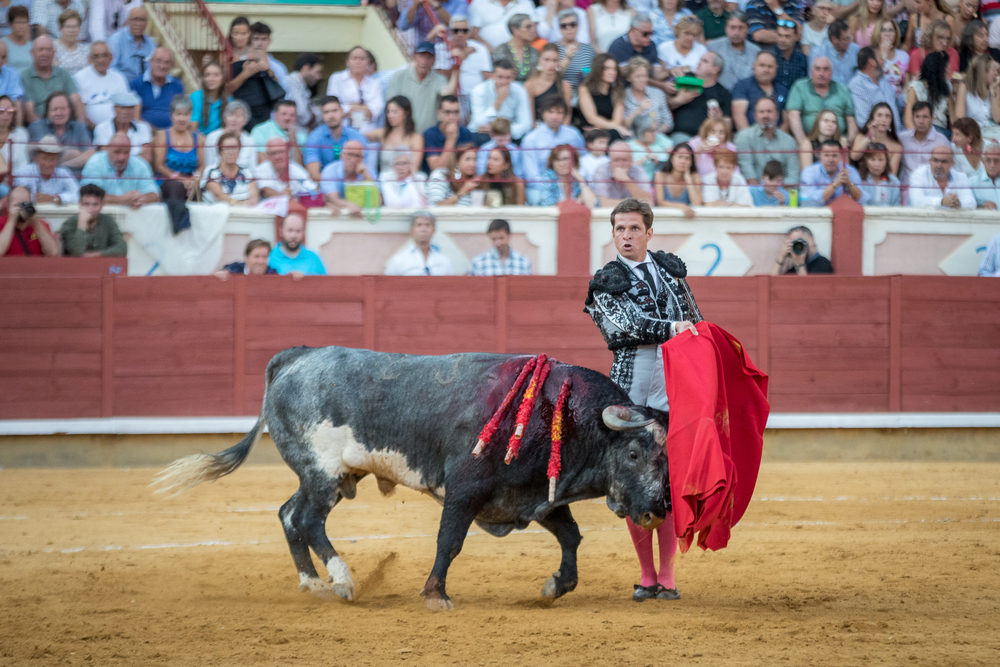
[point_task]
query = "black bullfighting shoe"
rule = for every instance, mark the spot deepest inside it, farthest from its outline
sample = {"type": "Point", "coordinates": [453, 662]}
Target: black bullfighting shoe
{"type": "Point", "coordinates": [663, 593]}
{"type": "Point", "coordinates": [643, 593]}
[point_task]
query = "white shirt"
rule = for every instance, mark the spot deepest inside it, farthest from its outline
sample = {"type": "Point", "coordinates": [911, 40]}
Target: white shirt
{"type": "Point", "coordinates": [491, 18]}
{"type": "Point", "coordinates": [369, 93]}
{"type": "Point", "coordinates": [515, 108]}
{"type": "Point", "coordinates": [926, 193]}
{"type": "Point", "coordinates": [105, 13]}
{"type": "Point", "coordinates": [96, 92]}
{"type": "Point", "coordinates": [738, 191]}
{"type": "Point", "coordinates": [139, 134]}
{"type": "Point", "coordinates": [267, 177]}
{"type": "Point", "coordinates": [551, 31]}
{"type": "Point", "coordinates": [470, 74]}
{"type": "Point", "coordinates": [590, 163]}
{"type": "Point", "coordinates": [638, 272]}
{"type": "Point", "coordinates": [410, 261]}
{"type": "Point", "coordinates": [403, 194]}
{"type": "Point", "coordinates": [248, 152]}
{"type": "Point", "coordinates": [812, 37]}
{"type": "Point", "coordinates": [671, 58]}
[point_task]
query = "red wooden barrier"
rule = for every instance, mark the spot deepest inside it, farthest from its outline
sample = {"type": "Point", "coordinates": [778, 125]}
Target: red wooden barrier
{"type": "Point", "coordinates": [109, 346]}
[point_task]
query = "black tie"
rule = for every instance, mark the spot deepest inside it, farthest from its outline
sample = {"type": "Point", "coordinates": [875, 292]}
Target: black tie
{"type": "Point", "coordinates": [644, 267]}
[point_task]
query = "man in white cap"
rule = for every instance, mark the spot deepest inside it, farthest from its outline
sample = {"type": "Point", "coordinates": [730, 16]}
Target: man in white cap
{"type": "Point", "coordinates": [45, 179]}
{"type": "Point", "coordinates": [140, 134]}
{"type": "Point", "coordinates": [97, 83]}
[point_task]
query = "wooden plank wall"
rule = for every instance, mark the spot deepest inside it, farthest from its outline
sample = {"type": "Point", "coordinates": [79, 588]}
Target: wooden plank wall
{"type": "Point", "coordinates": [89, 346]}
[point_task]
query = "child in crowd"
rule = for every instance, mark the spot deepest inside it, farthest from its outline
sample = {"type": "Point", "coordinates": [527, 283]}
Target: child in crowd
{"type": "Point", "coordinates": [876, 179]}
{"type": "Point", "coordinates": [499, 138]}
{"type": "Point", "coordinates": [726, 186]}
{"type": "Point", "coordinates": [771, 192]}
{"type": "Point", "coordinates": [596, 155]}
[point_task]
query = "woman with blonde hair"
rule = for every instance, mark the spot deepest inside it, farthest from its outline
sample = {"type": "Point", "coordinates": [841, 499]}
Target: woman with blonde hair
{"type": "Point", "coordinates": [453, 185]}
{"type": "Point", "coordinates": [922, 14]}
{"type": "Point", "coordinates": [546, 81]}
{"type": "Point", "coordinates": [601, 99]}
{"type": "Point", "coordinates": [713, 135]}
{"type": "Point", "coordinates": [681, 55]}
{"type": "Point", "coordinates": [643, 99]}
{"type": "Point", "coordinates": [862, 24]}
{"type": "Point", "coordinates": [886, 39]}
{"type": "Point", "coordinates": [937, 37]}
{"type": "Point", "coordinates": [825, 127]}
{"type": "Point", "coordinates": [609, 20]}
{"type": "Point", "coordinates": [678, 184]}
{"type": "Point", "coordinates": [981, 98]}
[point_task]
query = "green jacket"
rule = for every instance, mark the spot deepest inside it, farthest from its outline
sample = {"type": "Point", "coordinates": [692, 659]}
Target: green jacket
{"type": "Point", "coordinates": [104, 237]}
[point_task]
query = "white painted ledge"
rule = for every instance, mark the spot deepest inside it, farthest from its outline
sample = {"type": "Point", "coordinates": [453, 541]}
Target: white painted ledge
{"type": "Point", "coordinates": [202, 425]}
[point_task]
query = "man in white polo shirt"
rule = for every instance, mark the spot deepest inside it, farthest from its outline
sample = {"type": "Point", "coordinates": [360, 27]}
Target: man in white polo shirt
{"type": "Point", "coordinates": [419, 257]}
{"type": "Point", "coordinates": [140, 134]}
{"type": "Point", "coordinates": [97, 83]}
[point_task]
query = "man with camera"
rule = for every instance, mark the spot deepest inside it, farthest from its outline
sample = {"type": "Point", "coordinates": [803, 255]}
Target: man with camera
{"type": "Point", "coordinates": [799, 255]}
{"type": "Point", "coordinates": [22, 232]}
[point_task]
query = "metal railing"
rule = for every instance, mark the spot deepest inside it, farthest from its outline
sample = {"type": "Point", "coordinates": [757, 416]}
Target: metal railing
{"type": "Point", "coordinates": [189, 28]}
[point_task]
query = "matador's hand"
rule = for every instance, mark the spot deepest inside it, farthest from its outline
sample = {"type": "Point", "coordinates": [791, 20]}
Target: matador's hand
{"type": "Point", "coordinates": [683, 325]}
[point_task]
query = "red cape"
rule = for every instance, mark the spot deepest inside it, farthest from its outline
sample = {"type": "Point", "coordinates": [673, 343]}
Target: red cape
{"type": "Point", "coordinates": [718, 411]}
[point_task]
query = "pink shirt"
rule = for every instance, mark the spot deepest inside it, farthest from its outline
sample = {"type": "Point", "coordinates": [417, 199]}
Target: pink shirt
{"type": "Point", "coordinates": [704, 162]}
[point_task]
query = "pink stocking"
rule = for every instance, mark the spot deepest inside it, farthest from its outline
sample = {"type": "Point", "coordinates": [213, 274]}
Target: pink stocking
{"type": "Point", "coordinates": [668, 549]}
{"type": "Point", "coordinates": [642, 540]}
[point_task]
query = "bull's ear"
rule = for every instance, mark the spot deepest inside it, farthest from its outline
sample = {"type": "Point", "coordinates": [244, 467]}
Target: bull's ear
{"type": "Point", "coordinates": [659, 434]}
{"type": "Point", "coordinates": [623, 418]}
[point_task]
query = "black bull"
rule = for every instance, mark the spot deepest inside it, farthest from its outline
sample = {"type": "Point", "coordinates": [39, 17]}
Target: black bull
{"type": "Point", "coordinates": [338, 414]}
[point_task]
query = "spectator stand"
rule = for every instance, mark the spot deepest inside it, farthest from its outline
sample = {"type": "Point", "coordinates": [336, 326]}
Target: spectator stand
{"type": "Point", "coordinates": [348, 246]}
{"type": "Point", "coordinates": [926, 241]}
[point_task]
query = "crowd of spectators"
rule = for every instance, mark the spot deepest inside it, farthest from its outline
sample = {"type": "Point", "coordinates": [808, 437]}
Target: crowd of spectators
{"type": "Point", "coordinates": [682, 104]}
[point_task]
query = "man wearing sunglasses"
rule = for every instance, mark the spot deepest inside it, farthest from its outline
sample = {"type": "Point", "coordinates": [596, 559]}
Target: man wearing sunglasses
{"type": "Point", "coordinates": [470, 57]}
{"type": "Point", "coordinates": [638, 41]}
{"type": "Point", "coordinates": [767, 15]}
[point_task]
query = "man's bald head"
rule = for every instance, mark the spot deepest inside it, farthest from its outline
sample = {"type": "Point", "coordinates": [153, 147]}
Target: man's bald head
{"type": "Point", "coordinates": [160, 63]}
{"type": "Point", "coordinates": [119, 147]}
{"type": "Point", "coordinates": [276, 150]}
{"type": "Point", "coordinates": [942, 160]}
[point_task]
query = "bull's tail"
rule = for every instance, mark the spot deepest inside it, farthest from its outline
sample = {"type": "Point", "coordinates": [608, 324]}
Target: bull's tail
{"type": "Point", "coordinates": [190, 471]}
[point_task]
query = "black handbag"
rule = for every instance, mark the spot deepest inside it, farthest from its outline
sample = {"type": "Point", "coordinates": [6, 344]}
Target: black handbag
{"type": "Point", "coordinates": [272, 89]}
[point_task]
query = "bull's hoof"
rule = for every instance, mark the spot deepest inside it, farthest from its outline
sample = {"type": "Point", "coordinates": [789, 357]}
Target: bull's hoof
{"type": "Point", "coordinates": [317, 588]}
{"type": "Point", "coordinates": [439, 604]}
{"type": "Point", "coordinates": [345, 591]}
{"type": "Point", "coordinates": [556, 588]}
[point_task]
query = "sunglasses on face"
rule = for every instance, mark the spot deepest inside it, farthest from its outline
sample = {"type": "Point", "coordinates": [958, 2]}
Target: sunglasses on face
{"type": "Point", "coordinates": [460, 31]}
{"type": "Point", "coordinates": [646, 33]}
{"type": "Point", "coordinates": [567, 25]}
{"type": "Point", "coordinates": [785, 23]}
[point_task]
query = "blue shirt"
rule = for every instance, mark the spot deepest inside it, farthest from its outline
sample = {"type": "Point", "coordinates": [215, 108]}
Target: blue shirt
{"type": "Point", "coordinates": [156, 107]}
{"type": "Point", "coordinates": [10, 83]}
{"type": "Point", "coordinates": [984, 189]}
{"type": "Point", "coordinates": [137, 176]}
{"type": "Point", "coordinates": [331, 179]}
{"type": "Point", "coordinates": [537, 145]}
{"type": "Point", "coordinates": [748, 89]}
{"type": "Point", "coordinates": [306, 262]}
{"type": "Point", "coordinates": [321, 147]}
{"type": "Point", "coordinates": [484, 154]}
{"type": "Point", "coordinates": [128, 58]}
{"type": "Point", "coordinates": [434, 139]}
{"type": "Point", "coordinates": [843, 66]}
{"type": "Point", "coordinates": [761, 198]}
{"type": "Point", "coordinates": [214, 121]}
{"type": "Point", "coordinates": [815, 179]}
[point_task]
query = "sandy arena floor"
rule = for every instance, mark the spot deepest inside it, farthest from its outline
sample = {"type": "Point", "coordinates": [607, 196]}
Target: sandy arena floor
{"type": "Point", "coordinates": [834, 564]}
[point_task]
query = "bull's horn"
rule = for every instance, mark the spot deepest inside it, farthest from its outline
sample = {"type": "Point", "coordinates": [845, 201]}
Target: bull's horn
{"type": "Point", "coordinates": [621, 418]}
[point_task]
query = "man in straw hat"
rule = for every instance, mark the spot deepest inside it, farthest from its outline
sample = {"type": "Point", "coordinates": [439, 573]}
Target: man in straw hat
{"type": "Point", "coordinates": [45, 179]}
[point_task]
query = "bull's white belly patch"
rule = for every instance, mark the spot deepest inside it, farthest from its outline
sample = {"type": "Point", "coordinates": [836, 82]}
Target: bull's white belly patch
{"type": "Point", "coordinates": [337, 451]}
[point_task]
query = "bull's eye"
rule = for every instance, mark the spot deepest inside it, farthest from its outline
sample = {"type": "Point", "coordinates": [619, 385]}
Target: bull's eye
{"type": "Point", "coordinates": [633, 455]}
